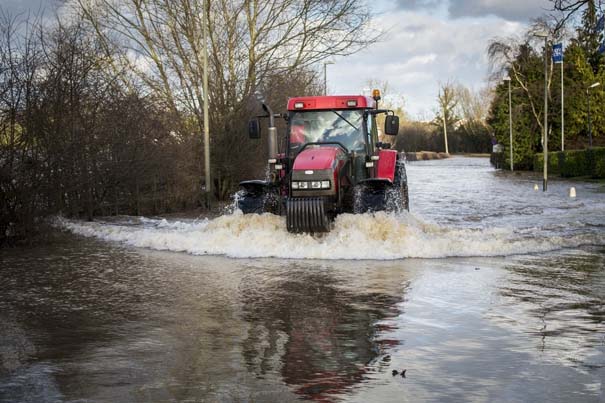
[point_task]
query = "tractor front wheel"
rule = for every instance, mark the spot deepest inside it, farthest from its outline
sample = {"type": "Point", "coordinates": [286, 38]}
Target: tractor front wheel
{"type": "Point", "coordinates": [257, 200]}
{"type": "Point", "coordinates": [374, 195]}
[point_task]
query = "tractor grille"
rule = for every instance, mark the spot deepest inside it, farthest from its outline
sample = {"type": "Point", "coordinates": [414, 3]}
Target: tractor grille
{"type": "Point", "coordinates": [307, 214]}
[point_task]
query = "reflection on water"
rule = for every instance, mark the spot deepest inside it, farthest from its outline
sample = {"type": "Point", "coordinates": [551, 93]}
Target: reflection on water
{"type": "Point", "coordinates": [88, 320]}
{"type": "Point", "coordinates": [92, 321]}
{"type": "Point", "coordinates": [311, 329]}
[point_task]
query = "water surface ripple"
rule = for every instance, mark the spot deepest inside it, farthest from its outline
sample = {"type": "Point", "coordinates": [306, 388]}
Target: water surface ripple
{"type": "Point", "coordinates": [509, 305]}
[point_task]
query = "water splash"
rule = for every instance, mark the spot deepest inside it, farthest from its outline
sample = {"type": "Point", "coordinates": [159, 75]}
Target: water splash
{"type": "Point", "coordinates": [378, 236]}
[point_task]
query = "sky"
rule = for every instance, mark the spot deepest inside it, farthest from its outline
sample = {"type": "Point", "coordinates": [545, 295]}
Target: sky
{"type": "Point", "coordinates": [425, 42]}
{"type": "Point", "coordinates": [428, 42]}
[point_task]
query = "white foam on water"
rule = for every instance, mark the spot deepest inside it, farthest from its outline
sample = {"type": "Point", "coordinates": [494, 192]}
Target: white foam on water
{"type": "Point", "coordinates": [378, 236]}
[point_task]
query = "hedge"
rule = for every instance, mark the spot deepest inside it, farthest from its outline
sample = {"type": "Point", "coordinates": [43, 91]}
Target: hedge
{"type": "Point", "coordinates": [553, 162]}
{"type": "Point", "coordinates": [572, 163]}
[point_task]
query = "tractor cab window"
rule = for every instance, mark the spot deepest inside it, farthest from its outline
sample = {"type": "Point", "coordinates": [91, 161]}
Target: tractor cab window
{"type": "Point", "coordinates": [342, 126]}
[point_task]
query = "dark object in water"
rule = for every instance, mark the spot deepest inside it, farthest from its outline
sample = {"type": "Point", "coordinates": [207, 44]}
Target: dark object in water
{"type": "Point", "coordinates": [395, 372]}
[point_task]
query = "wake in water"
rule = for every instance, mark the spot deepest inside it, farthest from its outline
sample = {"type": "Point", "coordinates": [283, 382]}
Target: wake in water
{"type": "Point", "coordinates": [368, 236]}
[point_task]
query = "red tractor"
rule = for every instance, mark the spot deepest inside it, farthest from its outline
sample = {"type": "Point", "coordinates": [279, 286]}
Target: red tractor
{"type": "Point", "coordinates": [331, 162]}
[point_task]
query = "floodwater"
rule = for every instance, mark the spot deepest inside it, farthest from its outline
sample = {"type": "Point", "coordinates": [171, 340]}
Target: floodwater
{"type": "Point", "coordinates": [486, 291]}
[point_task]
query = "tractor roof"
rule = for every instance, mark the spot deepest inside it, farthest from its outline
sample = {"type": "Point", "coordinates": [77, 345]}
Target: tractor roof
{"type": "Point", "coordinates": [331, 102]}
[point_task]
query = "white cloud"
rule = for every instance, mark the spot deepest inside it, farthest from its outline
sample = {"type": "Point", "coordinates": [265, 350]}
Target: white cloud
{"type": "Point", "coordinates": [419, 51]}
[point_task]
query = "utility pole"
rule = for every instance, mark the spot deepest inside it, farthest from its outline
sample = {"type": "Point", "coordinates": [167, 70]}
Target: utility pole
{"type": "Point", "coordinates": [444, 121]}
{"type": "Point", "coordinates": [562, 110]}
{"type": "Point", "coordinates": [545, 179]}
{"type": "Point", "coordinates": [557, 57]}
{"type": "Point", "coordinates": [589, 117]}
{"type": "Point", "coordinates": [545, 128]}
{"type": "Point", "coordinates": [445, 132]}
{"type": "Point", "coordinates": [208, 178]}
{"type": "Point", "coordinates": [326, 77]}
{"type": "Point", "coordinates": [510, 122]}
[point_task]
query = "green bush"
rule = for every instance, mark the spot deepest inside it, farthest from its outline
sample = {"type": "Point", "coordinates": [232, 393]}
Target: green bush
{"type": "Point", "coordinates": [575, 163]}
{"type": "Point", "coordinates": [554, 161]}
{"type": "Point", "coordinates": [572, 163]}
{"type": "Point", "coordinates": [598, 162]}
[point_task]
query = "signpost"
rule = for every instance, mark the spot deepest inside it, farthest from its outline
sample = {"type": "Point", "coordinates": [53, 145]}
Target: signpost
{"type": "Point", "coordinates": [557, 57]}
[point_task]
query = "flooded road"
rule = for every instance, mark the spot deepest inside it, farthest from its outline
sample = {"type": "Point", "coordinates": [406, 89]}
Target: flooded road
{"type": "Point", "coordinates": [486, 291]}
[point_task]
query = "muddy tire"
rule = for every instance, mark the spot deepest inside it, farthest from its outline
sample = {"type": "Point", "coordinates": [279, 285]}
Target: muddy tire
{"type": "Point", "coordinates": [258, 202]}
{"type": "Point", "coordinates": [388, 197]}
{"type": "Point", "coordinates": [369, 199]}
{"type": "Point", "coordinates": [400, 197]}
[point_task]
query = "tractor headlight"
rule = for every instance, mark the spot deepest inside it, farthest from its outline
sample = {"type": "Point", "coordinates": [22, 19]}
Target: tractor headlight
{"type": "Point", "coordinates": [311, 185]}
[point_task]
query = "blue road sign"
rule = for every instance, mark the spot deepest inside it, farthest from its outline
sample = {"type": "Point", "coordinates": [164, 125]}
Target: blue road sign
{"type": "Point", "coordinates": [557, 53]}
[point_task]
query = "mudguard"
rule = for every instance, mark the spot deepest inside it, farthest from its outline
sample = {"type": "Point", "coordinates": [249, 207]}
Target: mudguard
{"type": "Point", "coordinates": [386, 164]}
{"type": "Point", "coordinates": [254, 186]}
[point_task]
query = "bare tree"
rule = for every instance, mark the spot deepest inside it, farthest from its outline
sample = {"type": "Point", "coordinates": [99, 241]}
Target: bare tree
{"type": "Point", "coordinates": [473, 107]}
{"type": "Point", "coordinates": [448, 102]}
{"type": "Point", "coordinates": [512, 56]}
{"type": "Point", "coordinates": [250, 41]}
{"type": "Point", "coordinates": [568, 9]}
{"type": "Point", "coordinates": [446, 116]}
{"type": "Point", "coordinates": [389, 100]}
{"type": "Point", "coordinates": [74, 141]}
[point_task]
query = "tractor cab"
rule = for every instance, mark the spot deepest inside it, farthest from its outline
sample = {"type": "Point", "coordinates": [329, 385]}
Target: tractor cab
{"type": "Point", "coordinates": [331, 119]}
{"type": "Point", "coordinates": [326, 127]}
{"type": "Point", "coordinates": [332, 163]}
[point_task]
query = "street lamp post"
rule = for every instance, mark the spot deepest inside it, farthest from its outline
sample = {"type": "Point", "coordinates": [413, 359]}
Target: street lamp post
{"type": "Point", "coordinates": [326, 77]}
{"type": "Point", "coordinates": [589, 119]}
{"type": "Point", "coordinates": [545, 128]}
{"type": "Point", "coordinates": [207, 178]}
{"type": "Point", "coordinates": [510, 122]}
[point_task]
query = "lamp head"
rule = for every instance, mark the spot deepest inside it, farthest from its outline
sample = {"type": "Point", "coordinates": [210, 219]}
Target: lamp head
{"type": "Point", "coordinates": [595, 85]}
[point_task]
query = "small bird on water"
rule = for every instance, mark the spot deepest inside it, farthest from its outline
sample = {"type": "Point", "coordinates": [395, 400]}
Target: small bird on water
{"type": "Point", "coordinates": [395, 372]}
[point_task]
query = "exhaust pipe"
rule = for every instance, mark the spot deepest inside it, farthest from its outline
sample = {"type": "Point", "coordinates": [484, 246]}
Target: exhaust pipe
{"type": "Point", "coordinates": [272, 133]}
{"type": "Point", "coordinates": [272, 142]}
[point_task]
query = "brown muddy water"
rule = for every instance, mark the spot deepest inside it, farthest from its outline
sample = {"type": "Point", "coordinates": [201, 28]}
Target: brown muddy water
{"type": "Point", "coordinates": [486, 291]}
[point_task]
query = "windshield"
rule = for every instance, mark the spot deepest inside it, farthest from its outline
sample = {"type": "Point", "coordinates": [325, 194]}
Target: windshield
{"type": "Point", "coordinates": [343, 126]}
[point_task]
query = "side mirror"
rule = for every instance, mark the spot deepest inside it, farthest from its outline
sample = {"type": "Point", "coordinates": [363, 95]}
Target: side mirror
{"type": "Point", "coordinates": [391, 125]}
{"type": "Point", "coordinates": [254, 129]}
